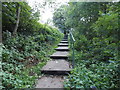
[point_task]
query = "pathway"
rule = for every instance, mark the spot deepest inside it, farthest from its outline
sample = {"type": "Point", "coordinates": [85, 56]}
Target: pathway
{"type": "Point", "coordinates": [56, 69]}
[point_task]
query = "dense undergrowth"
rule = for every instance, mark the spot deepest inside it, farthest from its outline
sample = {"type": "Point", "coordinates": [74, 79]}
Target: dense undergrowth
{"type": "Point", "coordinates": [95, 27]}
{"type": "Point", "coordinates": [22, 58]}
{"type": "Point", "coordinates": [94, 74]}
{"type": "Point", "coordinates": [25, 51]}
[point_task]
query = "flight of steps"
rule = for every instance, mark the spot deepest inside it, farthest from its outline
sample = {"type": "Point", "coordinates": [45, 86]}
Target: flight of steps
{"type": "Point", "coordinates": [56, 69]}
{"type": "Point", "coordinates": [59, 64]}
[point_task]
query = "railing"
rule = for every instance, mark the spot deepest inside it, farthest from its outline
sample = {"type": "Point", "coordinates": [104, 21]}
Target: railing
{"type": "Point", "coordinates": [72, 40]}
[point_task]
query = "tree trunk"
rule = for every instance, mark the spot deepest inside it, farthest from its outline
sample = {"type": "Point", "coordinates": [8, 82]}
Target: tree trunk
{"type": "Point", "coordinates": [17, 20]}
{"type": "Point", "coordinates": [0, 23]}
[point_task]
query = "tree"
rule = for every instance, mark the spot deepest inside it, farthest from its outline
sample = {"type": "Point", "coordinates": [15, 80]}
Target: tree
{"type": "Point", "coordinates": [59, 18]}
{"type": "Point", "coordinates": [18, 18]}
{"type": "Point", "coordinates": [19, 14]}
{"type": "Point", "coordinates": [0, 22]}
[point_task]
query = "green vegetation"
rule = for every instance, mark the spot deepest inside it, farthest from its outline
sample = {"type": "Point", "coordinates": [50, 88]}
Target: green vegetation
{"type": "Point", "coordinates": [26, 50]}
{"type": "Point", "coordinates": [94, 74]}
{"type": "Point", "coordinates": [27, 44]}
{"type": "Point", "coordinates": [95, 28]}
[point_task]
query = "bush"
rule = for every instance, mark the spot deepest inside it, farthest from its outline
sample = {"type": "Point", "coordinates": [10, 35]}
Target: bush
{"type": "Point", "coordinates": [23, 57]}
{"type": "Point", "coordinates": [92, 74]}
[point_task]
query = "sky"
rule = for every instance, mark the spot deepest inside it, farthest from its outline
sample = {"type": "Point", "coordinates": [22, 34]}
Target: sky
{"type": "Point", "coordinates": [46, 12]}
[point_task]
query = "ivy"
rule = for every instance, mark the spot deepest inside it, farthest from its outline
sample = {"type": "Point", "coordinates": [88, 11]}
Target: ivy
{"type": "Point", "coordinates": [95, 28]}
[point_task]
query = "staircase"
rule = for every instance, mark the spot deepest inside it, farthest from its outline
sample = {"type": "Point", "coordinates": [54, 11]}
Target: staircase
{"type": "Point", "coordinates": [57, 66]}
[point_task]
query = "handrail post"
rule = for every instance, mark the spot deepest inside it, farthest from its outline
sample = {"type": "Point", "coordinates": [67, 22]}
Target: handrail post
{"type": "Point", "coordinates": [73, 56]}
{"type": "Point", "coordinates": [72, 40]}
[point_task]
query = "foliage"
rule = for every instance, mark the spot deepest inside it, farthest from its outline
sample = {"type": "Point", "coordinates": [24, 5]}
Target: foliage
{"type": "Point", "coordinates": [59, 18]}
{"type": "Point", "coordinates": [25, 54]}
{"type": "Point", "coordinates": [28, 17]}
{"type": "Point", "coordinates": [95, 28]}
{"type": "Point", "coordinates": [92, 74]}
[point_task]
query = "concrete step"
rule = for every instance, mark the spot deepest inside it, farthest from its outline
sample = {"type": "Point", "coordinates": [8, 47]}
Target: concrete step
{"type": "Point", "coordinates": [64, 42]}
{"type": "Point", "coordinates": [65, 38]}
{"type": "Point", "coordinates": [63, 48]}
{"type": "Point", "coordinates": [59, 55]}
{"type": "Point", "coordinates": [57, 67]}
{"type": "Point", "coordinates": [50, 82]}
{"type": "Point", "coordinates": [56, 72]}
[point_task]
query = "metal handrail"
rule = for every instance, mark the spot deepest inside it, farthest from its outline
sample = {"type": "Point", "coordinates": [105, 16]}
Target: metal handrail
{"type": "Point", "coordinates": [72, 40]}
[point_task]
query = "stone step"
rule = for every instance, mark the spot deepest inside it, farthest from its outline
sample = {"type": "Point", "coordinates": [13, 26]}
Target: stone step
{"type": "Point", "coordinates": [59, 55]}
{"type": "Point", "coordinates": [50, 82]}
{"type": "Point", "coordinates": [56, 72]}
{"type": "Point", "coordinates": [56, 67]}
{"type": "Point", "coordinates": [64, 42]}
{"type": "Point", "coordinates": [65, 38]}
{"type": "Point", "coordinates": [63, 48]}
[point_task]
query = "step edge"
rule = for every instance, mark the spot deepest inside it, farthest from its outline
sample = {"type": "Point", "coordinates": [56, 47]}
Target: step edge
{"type": "Point", "coordinates": [60, 55]}
{"type": "Point", "coordinates": [55, 70]}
